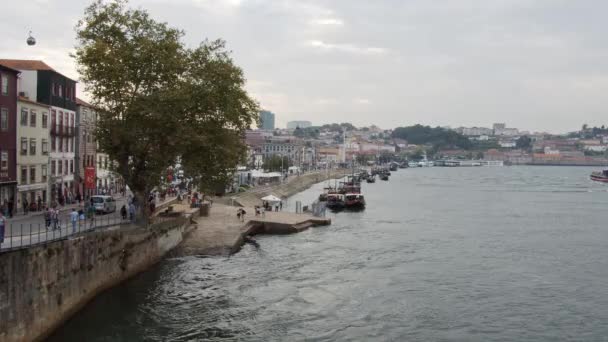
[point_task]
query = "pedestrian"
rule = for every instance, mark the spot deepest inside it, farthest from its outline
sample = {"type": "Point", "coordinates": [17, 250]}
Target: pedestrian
{"type": "Point", "coordinates": [81, 216]}
{"type": "Point", "coordinates": [39, 203]}
{"type": "Point", "coordinates": [25, 206]}
{"type": "Point", "coordinates": [132, 212]}
{"type": "Point", "coordinates": [91, 215]}
{"type": "Point", "coordinates": [263, 211]}
{"type": "Point", "coordinates": [11, 204]}
{"type": "Point", "coordinates": [123, 212]}
{"type": "Point", "coordinates": [74, 219]}
{"type": "Point", "coordinates": [281, 206]}
{"type": "Point", "coordinates": [238, 214]}
{"type": "Point", "coordinates": [243, 212]}
{"type": "Point", "coordinates": [55, 218]}
{"type": "Point", "coordinates": [2, 225]}
{"type": "Point", "coordinates": [47, 218]}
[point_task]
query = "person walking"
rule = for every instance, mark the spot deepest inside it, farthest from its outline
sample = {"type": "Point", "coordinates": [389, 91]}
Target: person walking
{"type": "Point", "coordinates": [25, 206]}
{"type": "Point", "coordinates": [74, 219]}
{"type": "Point", "coordinates": [91, 215]}
{"type": "Point", "coordinates": [123, 212]}
{"type": "Point", "coordinates": [2, 225]}
{"type": "Point", "coordinates": [55, 217]}
{"type": "Point", "coordinates": [11, 205]}
{"type": "Point", "coordinates": [132, 212]}
{"type": "Point", "coordinates": [39, 206]}
{"type": "Point", "coordinates": [48, 214]}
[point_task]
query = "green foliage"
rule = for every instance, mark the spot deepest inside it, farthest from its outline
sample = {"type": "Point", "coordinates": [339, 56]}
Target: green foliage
{"type": "Point", "coordinates": [308, 132]}
{"type": "Point", "coordinates": [438, 137]}
{"type": "Point", "coordinates": [161, 103]}
{"type": "Point", "coordinates": [334, 127]}
{"type": "Point", "coordinates": [524, 142]}
{"type": "Point", "coordinates": [274, 163]}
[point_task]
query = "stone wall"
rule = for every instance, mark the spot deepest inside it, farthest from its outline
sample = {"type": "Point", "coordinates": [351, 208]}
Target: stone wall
{"type": "Point", "coordinates": [43, 286]}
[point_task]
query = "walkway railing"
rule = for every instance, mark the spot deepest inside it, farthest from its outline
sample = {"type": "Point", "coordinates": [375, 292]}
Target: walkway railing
{"type": "Point", "coordinates": [24, 235]}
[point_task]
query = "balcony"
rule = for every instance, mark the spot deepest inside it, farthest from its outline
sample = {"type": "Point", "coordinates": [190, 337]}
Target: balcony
{"type": "Point", "coordinates": [62, 130]}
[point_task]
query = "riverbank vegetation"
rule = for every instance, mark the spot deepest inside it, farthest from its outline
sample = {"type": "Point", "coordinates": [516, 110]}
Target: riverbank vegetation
{"type": "Point", "coordinates": [160, 102]}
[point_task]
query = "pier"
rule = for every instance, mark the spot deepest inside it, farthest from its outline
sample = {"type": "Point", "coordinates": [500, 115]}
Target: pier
{"type": "Point", "coordinates": [223, 233]}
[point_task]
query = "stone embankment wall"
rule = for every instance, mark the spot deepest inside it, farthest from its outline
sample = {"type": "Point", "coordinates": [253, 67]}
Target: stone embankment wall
{"type": "Point", "coordinates": [294, 185]}
{"type": "Point", "coordinates": [41, 287]}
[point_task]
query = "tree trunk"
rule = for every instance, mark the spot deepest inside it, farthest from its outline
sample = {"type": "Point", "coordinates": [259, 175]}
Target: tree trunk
{"type": "Point", "coordinates": [142, 210]}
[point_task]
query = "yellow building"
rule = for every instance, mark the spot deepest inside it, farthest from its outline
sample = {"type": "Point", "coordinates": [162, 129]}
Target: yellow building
{"type": "Point", "coordinates": [32, 152]}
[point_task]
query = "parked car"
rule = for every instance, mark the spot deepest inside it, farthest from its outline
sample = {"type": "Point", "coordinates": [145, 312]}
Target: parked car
{"type": "Point", "coordinates": [104, 204]}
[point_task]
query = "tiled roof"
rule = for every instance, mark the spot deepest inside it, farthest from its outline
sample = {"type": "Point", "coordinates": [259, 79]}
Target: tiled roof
{"type": "Point", "coordinates": [83, 103]}
{"type": "Point", "coordinates": [24, 64]}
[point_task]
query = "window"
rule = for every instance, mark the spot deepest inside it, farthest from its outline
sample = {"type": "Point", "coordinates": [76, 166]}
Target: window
{"type": "Point", "coordinates": [71, 166]}
{"type": "Point", "coordinates": [44, 146]}
{"type": "Point", "coordinates": [65, 170]}
{"type": "Point", "coordinates": [59, 167]}
{"type": "Point", "coordinates": [43, 173]}
{"type": "Point", "coordinates": [53, 88]}
{"type": "Point", "coordinates": [45, 119]}
{"type": "Point", "coordinates": [24, 175]}
{"type": "Point", "coordinates": [4, 160]}
{"type": "Point", "coordinates": [32, 118]}
{"type": "Point", "coordinates": [60, 91]}
{"type": "Point", "coordinates": [23, 146]}
{"type": "Point", "coordinates": [4, 120]}
{"type": "Point", "coordinates": [32, 146]}
{"type": "Point", "coordinates": [60, 144]}
{"type": "Point", "coordinates": [53, 144]}
{"type": "Point", "coordinates": [53, 165]}
{"type": "Point", "coordinates": [24, 117]}
{"type": "Point", "coordinates": [33, 174]}
{"type": "Point", "coordinates": [89, 138]}
{"type": "Point", "coordinates": [53, 118]}
{"type": "Point", "coordinates": [4, 84]}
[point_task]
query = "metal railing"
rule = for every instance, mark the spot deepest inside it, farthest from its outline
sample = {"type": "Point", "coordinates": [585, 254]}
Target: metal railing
{"type": "Point", "coordinates": [24, 235]}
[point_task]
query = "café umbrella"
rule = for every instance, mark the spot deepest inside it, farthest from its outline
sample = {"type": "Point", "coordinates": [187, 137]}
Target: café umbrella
{"type": "Point", "coordinates": [272, 199]}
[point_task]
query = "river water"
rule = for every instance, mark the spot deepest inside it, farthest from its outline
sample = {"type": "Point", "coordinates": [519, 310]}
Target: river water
{"type": "Point", "coordinates": [440, 254]}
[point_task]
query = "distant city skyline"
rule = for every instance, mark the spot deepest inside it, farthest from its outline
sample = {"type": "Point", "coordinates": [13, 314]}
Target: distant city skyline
{"type": "Point", "coordinates": [539, 65]}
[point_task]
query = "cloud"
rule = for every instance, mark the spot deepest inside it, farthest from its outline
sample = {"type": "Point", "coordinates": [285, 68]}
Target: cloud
{"type": "Point", "coordinates": [327, 22]}
{"type": "Point", "coordinates": [349, 48]}
{"type": "Point", "coordinates": [362, 101]}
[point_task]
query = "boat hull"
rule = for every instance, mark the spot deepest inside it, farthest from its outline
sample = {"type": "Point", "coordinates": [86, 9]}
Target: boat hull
{"type": "Point", "coordinates": [597, 178]}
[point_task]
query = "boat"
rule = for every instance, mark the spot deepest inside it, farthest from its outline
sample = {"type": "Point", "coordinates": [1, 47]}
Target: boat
{"type": "Point", "coordinates": [354, 202]}
{"type": "Point", "coordinates": [371, 179]}
{"type": "Point", "coordinates": [393, 166]}
{"type": "Point", "coordinates": [600, 176]}
{"type": "Point", "coordinates": [335, 202]}
{"type": "Point", "coordinates": [384, 177]}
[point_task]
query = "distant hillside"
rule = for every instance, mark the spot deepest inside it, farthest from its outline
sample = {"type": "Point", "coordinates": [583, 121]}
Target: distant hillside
{"type": "Point", "coordinates": [438, 137]}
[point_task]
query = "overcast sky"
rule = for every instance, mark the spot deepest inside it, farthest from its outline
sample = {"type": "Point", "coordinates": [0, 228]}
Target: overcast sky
{"type": "Point", "coordinates": [534, 64]}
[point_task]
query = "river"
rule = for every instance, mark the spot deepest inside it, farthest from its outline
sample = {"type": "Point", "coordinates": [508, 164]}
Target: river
{"type": "Point", "coordinates": [440, 254]}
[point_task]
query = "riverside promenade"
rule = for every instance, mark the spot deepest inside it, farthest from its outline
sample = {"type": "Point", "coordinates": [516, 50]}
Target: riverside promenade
{"type": "Point", "coordinates": [222, 233]}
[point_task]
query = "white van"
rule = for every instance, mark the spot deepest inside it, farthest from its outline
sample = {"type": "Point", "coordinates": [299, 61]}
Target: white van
{"type": "Point", "coordinates": [104, 204]}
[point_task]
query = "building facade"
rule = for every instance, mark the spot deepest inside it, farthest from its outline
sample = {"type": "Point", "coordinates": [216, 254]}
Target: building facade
{"type": "Point", "coordinates": [8, 133]}
{"type": "Point", "coordinates": [86, 146]}
{"type": "Point", "coordinates": [33, 156]}
{"type": "Point", "coordinates": [41, 82]}
{"type": "Point", "coordinates": [267, 120]}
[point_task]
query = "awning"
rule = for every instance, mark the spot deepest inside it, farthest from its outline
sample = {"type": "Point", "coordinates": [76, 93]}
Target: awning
{"type": "Point", "coordinates": [271, 198]}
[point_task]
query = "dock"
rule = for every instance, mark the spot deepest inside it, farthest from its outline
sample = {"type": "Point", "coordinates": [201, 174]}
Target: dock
{"type": "Point", "coordinates": [222, 233]}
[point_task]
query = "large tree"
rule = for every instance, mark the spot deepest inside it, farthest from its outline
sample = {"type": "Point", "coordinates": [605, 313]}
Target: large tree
{"type": "Point", "coordinates": [161, 103]}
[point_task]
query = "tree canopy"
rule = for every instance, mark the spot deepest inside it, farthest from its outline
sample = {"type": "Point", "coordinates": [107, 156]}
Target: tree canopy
{"type": "Point", "coordinates": [438, 137]}
{"type": "Point", "coordinates": [160, 102]}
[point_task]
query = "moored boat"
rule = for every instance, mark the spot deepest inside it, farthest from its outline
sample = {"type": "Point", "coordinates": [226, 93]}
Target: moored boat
{"type": "Point", "coordinates": [354, 202]}
{"type": "Point", "coordinates": [600, 176]}
{"type": "Point", "coordinates": [384, 177]}
{"type": "Point", "coordinates": [335, 202]}
{"type": "Point", "coordinates": [371, 179]}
